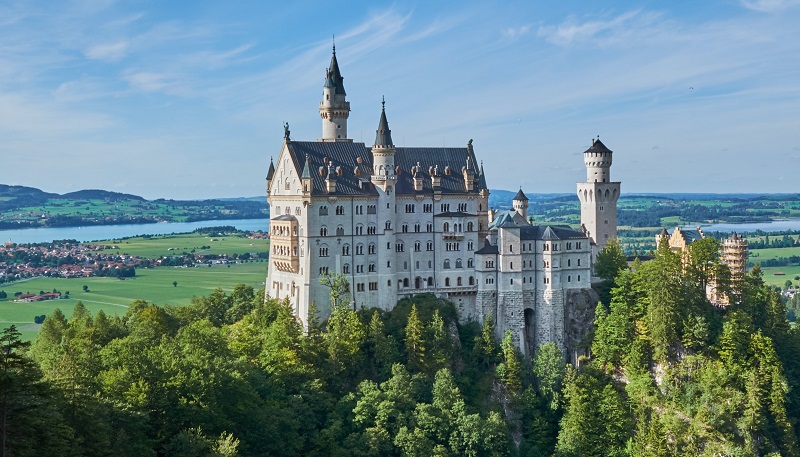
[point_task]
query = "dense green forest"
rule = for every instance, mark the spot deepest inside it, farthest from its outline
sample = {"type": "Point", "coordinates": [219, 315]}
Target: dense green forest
{"type": "Point", "coordinates": [233, 374]}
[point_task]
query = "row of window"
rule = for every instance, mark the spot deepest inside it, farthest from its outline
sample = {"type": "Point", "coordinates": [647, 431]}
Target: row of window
{"type": "Point", "coordinates": [529, 279]}
{"type": "Point", "coordinates": [419, 283]}
{"type": "Point", "coordinates": [372, 268]}
{"type": "Point", "coordinates": [287, 211]}
{"type": "Point", "coordinates": [373, 209]}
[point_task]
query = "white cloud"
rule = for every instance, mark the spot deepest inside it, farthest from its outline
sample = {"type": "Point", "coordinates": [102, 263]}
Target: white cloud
{"type": "Point", "coordinates": [573, 31]}
{"type": "Point", "coordinates": [769, 6]}
{"type": "Point", "coordinates": [111, 52]}
{"type": "Point", "coordinates": [516, 32]}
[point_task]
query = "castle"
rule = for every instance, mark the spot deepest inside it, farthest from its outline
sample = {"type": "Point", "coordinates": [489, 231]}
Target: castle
{"type": "Point", "coordinates": [733, 254]}
{"type": "Point", "coordinates": [400, 221]}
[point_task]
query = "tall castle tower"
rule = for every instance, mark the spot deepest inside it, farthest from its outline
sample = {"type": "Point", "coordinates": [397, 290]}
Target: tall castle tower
{"type": "Point", "coordinates": [520, 204]}
{"type": "Point", "coordinates": [334, 109]}
{"type": "Point", "coordinates": [598, 196]}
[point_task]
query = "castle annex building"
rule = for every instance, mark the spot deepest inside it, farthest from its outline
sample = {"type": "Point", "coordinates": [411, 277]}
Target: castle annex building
{"type": "Point", "coordinates": [400, 221]}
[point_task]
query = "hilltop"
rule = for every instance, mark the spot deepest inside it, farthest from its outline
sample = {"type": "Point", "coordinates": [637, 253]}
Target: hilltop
{"type": "Point", "coordinates": [22, 207]}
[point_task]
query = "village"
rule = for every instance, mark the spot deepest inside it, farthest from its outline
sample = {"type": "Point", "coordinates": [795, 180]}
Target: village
{"type": "Point", "coordinates": [71, 259]}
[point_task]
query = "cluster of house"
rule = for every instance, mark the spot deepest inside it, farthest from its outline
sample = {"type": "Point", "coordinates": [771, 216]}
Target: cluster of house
{"type": "Point", "coordinates": [63, 259]}
{"type": "Point", "coordinates": [39, 297]}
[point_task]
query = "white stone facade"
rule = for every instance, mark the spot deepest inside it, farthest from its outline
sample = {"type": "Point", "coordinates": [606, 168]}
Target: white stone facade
{"type": "Point", "coordinates": [402, 221]}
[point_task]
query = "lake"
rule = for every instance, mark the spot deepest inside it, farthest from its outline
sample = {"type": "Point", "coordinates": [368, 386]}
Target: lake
{"type": "Point", "coordinates": [107, 232]}
{"type": "Point", "coordinates": [771, 226]}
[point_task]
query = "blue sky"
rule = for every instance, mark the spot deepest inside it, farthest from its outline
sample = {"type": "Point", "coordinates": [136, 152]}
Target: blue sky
{"type": "Point", "coordinates": [187, 99]}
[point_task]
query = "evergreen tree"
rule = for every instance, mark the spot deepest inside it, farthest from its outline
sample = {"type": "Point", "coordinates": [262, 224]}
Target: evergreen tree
{"type": "Point", "coordinates": [415, 342]}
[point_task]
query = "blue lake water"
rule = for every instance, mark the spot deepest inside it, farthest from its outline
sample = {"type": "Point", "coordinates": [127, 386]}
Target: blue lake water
{"type": "Point", "coordinates": [771, 226]}
{"type": "Point", "coordinates": [107, 232]}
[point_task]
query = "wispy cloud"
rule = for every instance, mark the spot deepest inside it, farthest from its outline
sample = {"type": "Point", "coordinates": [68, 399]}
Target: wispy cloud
{"type": "Point", "coordinates": [111, 52]}
{"type": "Point", "coordinates": [575, 30]}
{"type": "Point", "coordinates": [769, 6]}
{"type": "Point", "coordinates": [516, 32]}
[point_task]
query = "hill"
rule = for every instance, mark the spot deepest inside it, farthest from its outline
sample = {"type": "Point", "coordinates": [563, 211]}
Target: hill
{"type": "Point", "coordinates": [22, 207]}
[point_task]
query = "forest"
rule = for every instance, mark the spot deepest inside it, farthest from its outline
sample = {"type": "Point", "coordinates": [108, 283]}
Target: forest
{"type": "Point", "coordinates": [235, 375]}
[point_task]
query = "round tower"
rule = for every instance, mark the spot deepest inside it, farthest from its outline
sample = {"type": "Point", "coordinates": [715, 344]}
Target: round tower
{"type": "Point", "coordinates": [598, 162]}
{"type": "Point", "coordinates": [334, 109]}
{"type": "Point", "coordinates": [598, 197]}
{"type": "Point", "coordinates": [520, 204]}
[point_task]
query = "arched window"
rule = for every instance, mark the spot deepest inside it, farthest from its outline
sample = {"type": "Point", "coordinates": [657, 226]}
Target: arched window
{"type": "Point", "coordinates": [471, 281]}
{"type": "Point", "coordinates": [470, 263]}
{"type": "Point", "coordinates": [359, 249]}
{"type": "Point", "coordinates": [469, 226]}
{"type": "Point", "coordinates": [459, 264]}
{"type": "Point", "coordinates": [458, 281]}
{"type": "Point", "coordinates": [340, 231]}
{"type": "Point", "coordinates": [446, 264]}
{"type": "Point", "coordinates": [416, 227]}
{"type": "Point", "coordinates": [447, 282]}
{"type": "Point", "coordinates": [405, 282]}
{"type": "Point", "coordinates": [446, 226]}
{"type": "Point", "coordinates": [346, 268]}
{"type": "Point", "coordinates": [323, 210]}
{"type": "Point", "coordinates": [346, 249]}
{"type": "Point", "coordinates": [323, 231]}
{"type": "Point", "coordinates": [388, 225]}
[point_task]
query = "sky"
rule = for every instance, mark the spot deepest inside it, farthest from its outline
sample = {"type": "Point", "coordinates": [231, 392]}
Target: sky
{"type": "Point", "coordinates": [187, 99]}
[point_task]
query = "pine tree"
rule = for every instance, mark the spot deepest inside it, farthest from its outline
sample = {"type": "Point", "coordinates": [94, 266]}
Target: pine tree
{"type": "Point", "coordinates": [415, 342]}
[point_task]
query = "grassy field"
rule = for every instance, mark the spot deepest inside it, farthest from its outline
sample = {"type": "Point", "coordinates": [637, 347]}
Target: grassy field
{"type": "Point", "coordinates": [780, 280]}
{"type": "Point", "coordinates": [760, 255]}
{"type": "Point", "coordinates": [113, 296]}
{"type": "Point", "coordinates": [166, 245]}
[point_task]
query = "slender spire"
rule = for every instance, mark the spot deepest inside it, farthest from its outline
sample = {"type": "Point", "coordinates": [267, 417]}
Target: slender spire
{"type": "Point", "coordinates": [271, 171]}
{"type": "Point", "coordinates": [333, 77]}
{"type": "Point", "coordinates": [306, 168]}
{"type": "Point", "coordinates": [383, 137]}
{"type": "Point", "coordinates": [482, 179]}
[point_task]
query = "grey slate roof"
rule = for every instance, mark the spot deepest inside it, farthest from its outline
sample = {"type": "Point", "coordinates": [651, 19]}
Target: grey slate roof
{"type": "Point", "coordinates": [344, 154]}
{"type": "Point", "coordinates": [521, 196]}
{"type": "Point", "coordinates": [271, 171]}
{"type": "Point", "coordinates": [455, 158]}
{"type": "Point", "coordinates": [488, 249]}
{"type": "Point", "coordinates": [545, 232]}
{"type": "Point", "coordinates": [597, 146]}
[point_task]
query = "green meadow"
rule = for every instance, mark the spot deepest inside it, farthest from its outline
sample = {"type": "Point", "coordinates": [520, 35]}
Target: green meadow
{"type": "Point", "coordinates": [153, 247]}
{"type": "Point", "coordinates": [113, 296]}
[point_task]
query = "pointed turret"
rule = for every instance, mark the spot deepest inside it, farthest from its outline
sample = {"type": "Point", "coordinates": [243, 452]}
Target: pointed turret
{"type": "Point", "coordinates": [482, 179]}
{"type": "Point", "coordinates": [334, 109]}
{"type": "Point", "coordinates": [271, 171]}
{"type": "Point", "coordinates": [334, 78]}
{"type": "Point", "coordinates": [520, 204]}
{"type": "Point", "coordinates": [383, 150]}
{"type": "Point", "coordinates": [383, 136]}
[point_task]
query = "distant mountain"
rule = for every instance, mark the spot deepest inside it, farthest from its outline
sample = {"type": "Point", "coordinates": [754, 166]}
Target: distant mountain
{"type": "Point", "coordinates": [7, 191]}
{"type": "Point", "coordinates": [96, 194]}
{"type": "Point", "coordinates": [242, 199]}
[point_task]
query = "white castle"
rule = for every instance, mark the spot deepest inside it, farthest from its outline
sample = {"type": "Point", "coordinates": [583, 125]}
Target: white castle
{"type": "Point", "coordinates": [398, 221]}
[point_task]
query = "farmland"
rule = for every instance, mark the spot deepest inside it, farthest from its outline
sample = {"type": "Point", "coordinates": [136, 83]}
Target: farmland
{"type": "Point", "coordinates": [154, 285]}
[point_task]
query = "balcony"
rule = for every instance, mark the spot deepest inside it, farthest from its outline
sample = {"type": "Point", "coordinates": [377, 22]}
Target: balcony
{"type": "Point", "coordinates": [453, 236]}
